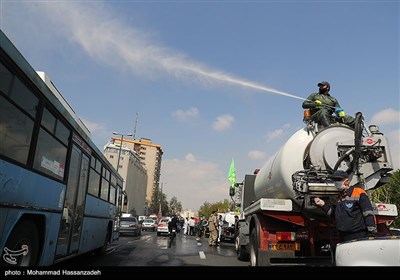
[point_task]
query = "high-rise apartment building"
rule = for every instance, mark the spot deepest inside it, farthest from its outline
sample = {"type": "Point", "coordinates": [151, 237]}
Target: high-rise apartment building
{"type": "Point", "coordinates": [150, 156]}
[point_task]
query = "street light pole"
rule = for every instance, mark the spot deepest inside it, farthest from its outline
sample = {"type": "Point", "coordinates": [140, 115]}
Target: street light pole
{"type": "Point", "coordinates": [120, 146]}
{"type": "Point", "coordinates": [160, 196]}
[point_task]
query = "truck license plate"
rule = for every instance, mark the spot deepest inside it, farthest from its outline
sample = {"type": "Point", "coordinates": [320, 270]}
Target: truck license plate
{"type": "Point", "coordinates": [284, 246]}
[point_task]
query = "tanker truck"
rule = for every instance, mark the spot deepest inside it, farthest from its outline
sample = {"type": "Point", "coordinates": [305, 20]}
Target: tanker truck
{"type": "Point", "coordinates": [279, 224]}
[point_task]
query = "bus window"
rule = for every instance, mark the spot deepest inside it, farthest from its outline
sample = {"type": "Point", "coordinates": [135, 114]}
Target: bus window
{"type": "Point", "coordinates": [48, 120]}
{"type": "Point", "coordinates": [5, 79]}
{"type": "Point", "coordinates": [105, 185]}
{"type": "Point", "coordinates": [94, 182]}
{"type": "Point", "coordinates": [16, 125]}
{"type": "Point", "coordinates": [62, 132]}
{"type": "Point", "coordinates": [56, 127]}
{"type": "Point", "coordinates": [15, 132]}
{"type": "Point", "coordinates": [21, 95]}
{"type": "Point", "coordinates": [50, 155]}
{"type": "Point", "coordinates": [112, 194]}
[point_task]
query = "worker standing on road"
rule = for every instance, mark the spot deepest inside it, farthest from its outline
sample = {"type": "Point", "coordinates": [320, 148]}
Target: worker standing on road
{"type": "Point", "coordinates": [213, 229]}
{"type": "Point", "coordinates": [322, 105]}
{"type": "Point", "coordinates": [201, 227]}
{"type": "Point", "coordinates": [354, 216]}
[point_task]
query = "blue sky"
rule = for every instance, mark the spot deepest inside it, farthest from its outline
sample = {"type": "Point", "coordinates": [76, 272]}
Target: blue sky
{"type": "Point", "coordinates": [190, 71]}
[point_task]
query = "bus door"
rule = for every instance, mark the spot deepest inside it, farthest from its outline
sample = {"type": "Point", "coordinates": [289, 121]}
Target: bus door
{"type": "Point", "coordinates": [72, 218]}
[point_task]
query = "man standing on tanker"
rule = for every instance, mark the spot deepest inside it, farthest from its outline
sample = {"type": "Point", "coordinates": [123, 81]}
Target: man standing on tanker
{"type": "Point", "coordinates": [322, 105]}
{"type": "Point", "coordinates": [353, 212]}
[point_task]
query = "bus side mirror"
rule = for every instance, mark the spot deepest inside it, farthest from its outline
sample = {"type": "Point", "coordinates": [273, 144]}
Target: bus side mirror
{"type": "Point", "coordinates": [231, 191]}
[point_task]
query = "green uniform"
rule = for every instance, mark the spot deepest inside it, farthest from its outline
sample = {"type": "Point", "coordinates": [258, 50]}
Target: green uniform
{"type": "Point", "coordinates": [329, 103]}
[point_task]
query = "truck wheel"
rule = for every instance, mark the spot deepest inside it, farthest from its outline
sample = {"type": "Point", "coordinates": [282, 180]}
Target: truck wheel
{"type": "Point", "coordinates": [242, 254]}
{"type": "Point", "coordinates": [254, 248]}
{"type": "Point", "coordinates": [22, 246]}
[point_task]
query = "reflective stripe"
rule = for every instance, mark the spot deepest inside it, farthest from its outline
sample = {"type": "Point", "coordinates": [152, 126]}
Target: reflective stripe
{"type": "Point", "coordinates": [352, 198]}
{"type": "Point", "coordinates": [368, 212]}
{"type": "Point", "coordinates": [371, 229]}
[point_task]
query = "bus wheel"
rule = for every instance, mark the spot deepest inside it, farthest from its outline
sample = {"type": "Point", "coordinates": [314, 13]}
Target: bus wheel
{"type": "Point", "coordinates": [22, 246]}
{"type": "Point", "coordinates": [102, 251]}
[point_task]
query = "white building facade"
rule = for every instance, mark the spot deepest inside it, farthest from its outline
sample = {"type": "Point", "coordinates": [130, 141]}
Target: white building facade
{"type": "Point", "coordinates": [134, 174]}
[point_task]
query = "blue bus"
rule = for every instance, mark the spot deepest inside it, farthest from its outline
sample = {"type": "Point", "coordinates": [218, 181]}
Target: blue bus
{"type": "Point", "coordinates": [59, 196]}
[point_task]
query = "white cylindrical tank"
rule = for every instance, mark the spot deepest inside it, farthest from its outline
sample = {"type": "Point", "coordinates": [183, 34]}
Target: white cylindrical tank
{"type": "Point", "coordinates": [274, 180]}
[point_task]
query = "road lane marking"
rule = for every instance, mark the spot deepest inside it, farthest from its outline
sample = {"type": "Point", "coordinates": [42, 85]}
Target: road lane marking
{"type": "Point", "coordinates": [202, 255]}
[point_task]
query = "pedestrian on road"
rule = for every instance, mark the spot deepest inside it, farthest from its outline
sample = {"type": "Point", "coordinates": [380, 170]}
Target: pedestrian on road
{"type": "Point", "coordinates": [213, 229]}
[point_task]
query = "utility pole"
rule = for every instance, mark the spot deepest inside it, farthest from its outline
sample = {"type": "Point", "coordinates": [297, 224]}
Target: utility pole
{"type": "Point", "coordinates": [134, 130]}
{"type": "Point", "coordinates": [120, 147]}
{"type": "Point", "coordinates": [124, 198]}
{"type": "Point", "coordinates": [160, 196]}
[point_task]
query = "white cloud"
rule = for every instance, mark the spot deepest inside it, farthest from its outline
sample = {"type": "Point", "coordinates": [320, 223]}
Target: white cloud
{"type": "Point", "coordinates": [394, 143]}
{"type": "Point", "coordinates": [190, 157]}
{"type": "Point", "coordinates": [95, 128]}
{"type": "Point", "coordinates": [276, 133]}
{"type": "Point", "coordinates": [185, 115]}
{"type": "Point", "coordinates": [223, 122]}
{"type": "Point", "coordinates": [388, 122]}
{"type": "Point", "coordinates": [203, 181]}
{"type": "Point", "coordinates": [388, 116]}
{"type": "Point", "coordinates": [256, 155]}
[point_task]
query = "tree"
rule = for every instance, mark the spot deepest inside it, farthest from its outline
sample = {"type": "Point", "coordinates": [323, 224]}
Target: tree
{"type": "Point", "coordinates": [221, 206]}
{"type": "Point", "coordinates": [164, 205]}
{"type": "Point", "coordinates": [389, 193]}
{"type": "Point", "coordinates": [167, 208]}
{"type": "Point", "coordinates": [174, 206]}
{"type": "Point", "coordinates": [155, 201]}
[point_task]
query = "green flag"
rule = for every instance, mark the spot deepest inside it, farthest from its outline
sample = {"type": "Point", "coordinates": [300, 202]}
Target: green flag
{"type": "Point", "coordinates": [232, 174]}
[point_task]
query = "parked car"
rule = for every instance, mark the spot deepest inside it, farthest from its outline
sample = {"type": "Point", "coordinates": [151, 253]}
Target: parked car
{"type": "Point", "coordinates": [228, 233]}
{"type": "Point", "coordinates": [162, 227]}
{"type": "Point", "coordinates": [149, 224]}
{"type": "Point", "coordinates": [129, 225]}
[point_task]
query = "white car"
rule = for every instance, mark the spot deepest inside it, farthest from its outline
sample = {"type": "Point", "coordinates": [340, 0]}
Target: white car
{"type": "Point", "coordinates": [149, 224]}
{"type": "Point", "coordinates": [162, 227]}
{"type": "Point", "coordinates": [378, 251]}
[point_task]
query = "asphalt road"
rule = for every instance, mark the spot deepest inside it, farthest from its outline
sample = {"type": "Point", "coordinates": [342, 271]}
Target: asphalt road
{"type": "Point", "coordinates": [152, 250]}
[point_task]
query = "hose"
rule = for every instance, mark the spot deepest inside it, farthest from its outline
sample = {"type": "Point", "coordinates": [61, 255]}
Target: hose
{"type": "Point", "coordinates": [349, 152]}
{"type": "Point", "coordinates": [357, 139]}
{"type": "Point", "coordinates": [356, 150]}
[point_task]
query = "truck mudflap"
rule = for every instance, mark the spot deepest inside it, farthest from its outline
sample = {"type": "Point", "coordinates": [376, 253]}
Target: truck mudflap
{"type": "Point", "coordinates": [282, 258]}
